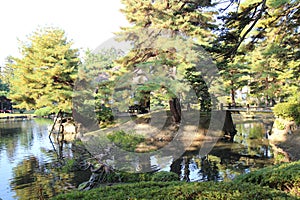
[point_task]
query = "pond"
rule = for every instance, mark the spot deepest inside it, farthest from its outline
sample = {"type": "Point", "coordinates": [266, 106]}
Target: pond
{"type": "Point", "coordinates": [250, 150]}
{"type": "Point", "coordinates": [29, 160]}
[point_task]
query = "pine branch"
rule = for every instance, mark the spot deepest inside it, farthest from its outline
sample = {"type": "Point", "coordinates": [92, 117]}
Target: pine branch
{"type": "Point", "coordinates": [258, 17]}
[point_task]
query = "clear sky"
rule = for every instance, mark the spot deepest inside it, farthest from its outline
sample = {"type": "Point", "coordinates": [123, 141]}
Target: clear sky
{"type": "Point", "coordinates": [88, 23]}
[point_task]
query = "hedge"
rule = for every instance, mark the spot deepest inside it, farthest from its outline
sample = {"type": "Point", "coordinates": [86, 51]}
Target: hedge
{"type": "Point", "coordinates": [284, 177]}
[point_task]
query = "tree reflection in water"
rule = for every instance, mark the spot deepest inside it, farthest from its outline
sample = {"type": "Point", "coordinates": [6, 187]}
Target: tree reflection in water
{"type": "Point", "coordinates": [36, 176]}
{"type": "Point", "coordinates": [33, 180]}
{"type": "Point", "coordinates": [192, 168]}
{"type": "Point", "coordinates": [249, 150]}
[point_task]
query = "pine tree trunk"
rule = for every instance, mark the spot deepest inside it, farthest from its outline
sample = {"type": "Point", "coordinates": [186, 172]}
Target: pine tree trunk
{"type": "Point", "coordinates": [267, 96]}
{"type": "Point", "coordinates": [232, 95]}
{"type": "Point", "coordinates": [175, 109]}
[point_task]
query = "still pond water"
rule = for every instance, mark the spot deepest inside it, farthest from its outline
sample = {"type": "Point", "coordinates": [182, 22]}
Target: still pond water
{"type": "Point", "coordinates": [29, 160]}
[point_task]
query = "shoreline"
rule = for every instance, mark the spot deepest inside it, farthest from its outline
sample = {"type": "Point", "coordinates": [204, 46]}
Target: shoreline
{"type": "Point", "coordinates": [16, 116]}
{"type": "Point", "coordinates": [281, 141]}
{"type": "Point", "coordinates": [287, 144]}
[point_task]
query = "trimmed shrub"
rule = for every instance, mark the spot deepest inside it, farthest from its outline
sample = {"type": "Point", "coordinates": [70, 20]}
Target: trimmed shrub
{"type": "Point", "coordinates": [165, 176]}
{"type": "Point", "coordinates": [267, 183]}
{"type": "Point", "coordinates": [134, 177]}
{"type": "Point", "coordinates": [126, 177]}
{"type": "Point", "coordinates": [284, 177]}
{"type": "Point", "coordinates": [179, 190]}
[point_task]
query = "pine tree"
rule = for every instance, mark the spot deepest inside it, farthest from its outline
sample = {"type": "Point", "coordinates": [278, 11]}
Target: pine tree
{"type": "Point", "coordinates": [152, 20]}
{"type": "Point", "coordinates": [43, 77]}
{"type": "Point", "coordinates": [95, 86]}
{"type": "Point", "coordinates": [266, 32]}
{"type": "Point", "coordinates": [236, 75]}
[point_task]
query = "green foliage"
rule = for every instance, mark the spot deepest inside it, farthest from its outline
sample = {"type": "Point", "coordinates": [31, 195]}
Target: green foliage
{"type": "Point", "coordinates": [284, 177]}
{"type": "Point", "coordinates": [190, 18]}
{"type": "Point", "coordinates": [267, 44]}
{"type": "Point", "coordinates": [44, 75]}
{"type": "Point", "coordinates": [110, 177]}
{"type": "Point", "coordinates": [235, 74]}
{"type": "Point", "coordinates": [104, 114]}
{"type": "Point", "coordinates": [69, 165]}
{"type": "Point", "coordinates": [276, 3]}
{"type": "Point", "coordinates": [126, 141]}
{"type": "Point", "coordinates": [279, 124]}
{"type": "Point", "coordinates": [267, 183]}
{"type": "Point", "coordinates": [95, 85]}
{"type": "Point", "coordinates": [178, 190]}
{"type": "Point", "coordinates": [266, 80]}
{"type": "Point", "coordinates": [165, 36]}
{"type": "Point", "coordinates": [4, 88]}
{"type": "Point", "coordinates": [165, 176]}
{"type": "Point", "coordinates": [159, 101]}
{"type": "Point", "coordinates": [279, 157]}
{"type": "Point", "coordinates": [200, 87]}
{"type": "Point", "coordinates": [125, 177]}
{"type": "Point", "coordinates": [45, 111]}
{"type": "Point", "coordinates": [288, 110]}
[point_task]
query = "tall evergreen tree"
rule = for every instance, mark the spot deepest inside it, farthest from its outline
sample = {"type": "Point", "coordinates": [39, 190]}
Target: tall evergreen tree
{"type": "Point", "coordinates": [95, 86]}
{"type": "Point", "coordinates": [266, 33]}
{"type": "Point", "coordinates": [160, 18]}
{"type": "Point", "coordinates": [4, 88]}
{"type": "Point", "coordinates": [236, 75]}
{"type": "Point", "coordinates": [43, 77]}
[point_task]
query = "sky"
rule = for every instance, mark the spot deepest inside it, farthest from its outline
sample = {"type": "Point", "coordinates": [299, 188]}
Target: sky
{"type": "Point", "coordinates": [88, 23]}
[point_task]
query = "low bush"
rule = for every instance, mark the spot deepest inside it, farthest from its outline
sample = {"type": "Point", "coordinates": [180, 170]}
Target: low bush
{"type": "Point", "coordinates": [284, 177]}
{"type": "Point", "coordinates": [69, 165]}
{"type": "Point", "coordinates": [114, 177]}
{"type": "Point", "coordinates": [165, 176]}
{"type": "Point", "coordinates": [279, 124]}
{"type": "Point", "coordinates": [277, 182]}
{"type": "Point", "coordinates": [288, 110]}
{"type": "Point", "coordinates": [126, 177]}
{"type": "Point", "coordinates": [179, 190]}
{"type": "Point", "coordinates": [126, 141]}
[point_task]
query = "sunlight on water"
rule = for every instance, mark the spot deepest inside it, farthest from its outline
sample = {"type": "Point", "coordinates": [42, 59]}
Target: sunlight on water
{"type": "Point", "coordinates": [25, 153]}
{"type": "Point", "coordinates": [28, 161]}
{"type": "Point", "coordinates": [250, 150]}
